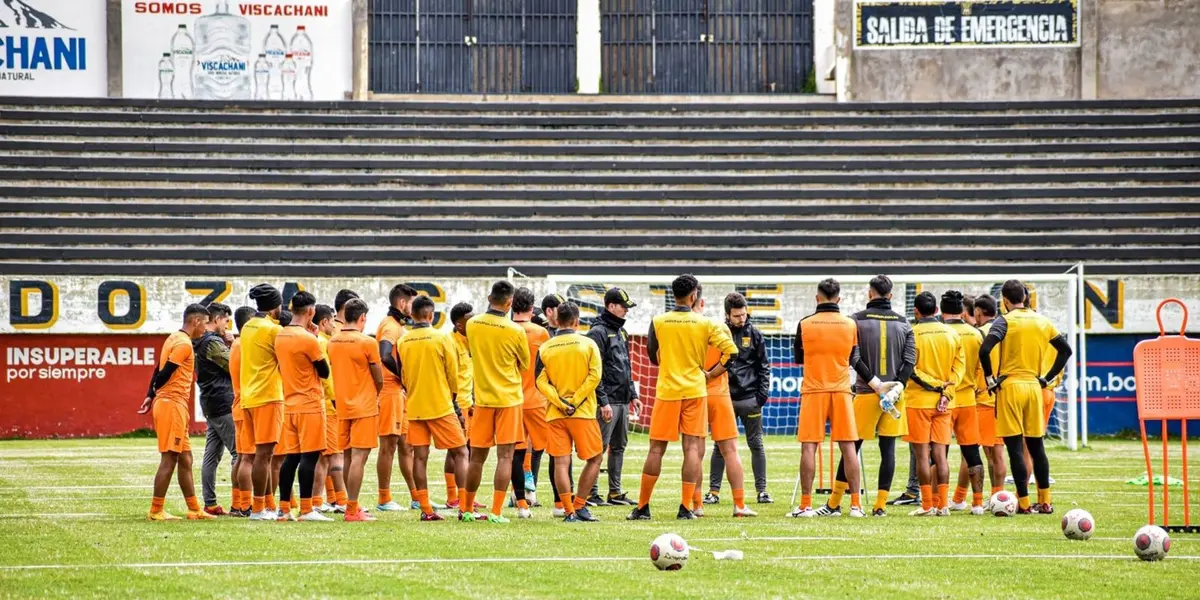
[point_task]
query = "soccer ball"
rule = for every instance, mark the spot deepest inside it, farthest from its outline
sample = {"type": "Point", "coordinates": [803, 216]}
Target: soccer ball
{"type": "Point", "coordinates": [1151, 543]}
{"type": "Point", "coordinates": [669, 552]}
{"type": "Point", "coordinates": [1003, 504]}
{"type": "Point", "coordinates": [1078, 524]}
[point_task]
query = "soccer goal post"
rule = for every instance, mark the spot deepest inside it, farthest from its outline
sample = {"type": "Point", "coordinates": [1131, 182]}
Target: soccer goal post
{"type": "Point", "coordinates": [777, 303]}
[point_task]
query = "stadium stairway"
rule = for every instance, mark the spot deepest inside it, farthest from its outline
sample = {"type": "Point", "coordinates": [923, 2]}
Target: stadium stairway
{"type": "Point", "coordinates": [467, 188]}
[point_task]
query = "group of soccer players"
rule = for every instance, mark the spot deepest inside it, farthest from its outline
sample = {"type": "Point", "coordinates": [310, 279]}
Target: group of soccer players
{"type": "Point", "coordinates": [313, 395]}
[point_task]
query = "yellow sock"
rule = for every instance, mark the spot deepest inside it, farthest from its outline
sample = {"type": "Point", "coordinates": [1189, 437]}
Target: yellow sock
{"type": "Point", "coordinates": [881, 498]}
{"type": "Point", "coordinates": [1023, 502]}
{"type": "Point", "coordinates": [839, 490]}
{"type": "Point", "coordinates": [1044, 496]}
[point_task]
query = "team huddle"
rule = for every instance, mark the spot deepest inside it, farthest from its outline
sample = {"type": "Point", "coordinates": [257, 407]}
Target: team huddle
{"type": "Point", "coordinates": [304, 395]}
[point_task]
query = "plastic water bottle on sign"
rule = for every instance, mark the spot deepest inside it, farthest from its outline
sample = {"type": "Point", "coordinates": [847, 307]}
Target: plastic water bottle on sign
{"type": "Point", "coordinates": [183, 54]}
{"type": "Point", "coordinates": [262, 77]}
{"type": "Point", "coordinates": [288, 74]}
{"type": "Point", "coordinates": [276, 50]}
{"type": "Point", "coordinates": [166, 76]}
{"type": "Point", "coordinates": [301, 48]}
{"type": "Point", "coordinates": [222, 65]}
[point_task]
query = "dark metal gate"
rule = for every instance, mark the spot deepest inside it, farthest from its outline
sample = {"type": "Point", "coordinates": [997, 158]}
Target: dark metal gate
{"type": "Point", "coordinates": [706, 46]}
{"type": "Point", "coordinates": [472, 46]}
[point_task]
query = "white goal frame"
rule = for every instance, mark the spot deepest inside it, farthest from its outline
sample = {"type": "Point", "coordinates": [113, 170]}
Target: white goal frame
{"type": "Point", "coordinates": [1076, 369]}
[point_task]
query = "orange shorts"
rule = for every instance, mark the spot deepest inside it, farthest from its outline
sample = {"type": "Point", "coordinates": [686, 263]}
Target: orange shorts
{"type": "Point", "coordinates": [584, 434]}
{"type": "Point", "coordinates": [304, 432]}
{"type": "Point", "coordinates": [1048, 400]}
{"type": "Point", "coordinates": [243, 435]}
{"type": "Point", "coordinates": [497, 426]}
{"type": "Point", "coordinates": [171, 426]}
{"type": "Point", "coordinates": [669, 418]}
{"type": "Point", "coordinates": [986, 419]}
{"type": "Point", "coordinates": [362, 433]}
{"type": "Point", "coordinates": [536, 428]}
{"type": "Point", "coordinates": [265, 423]}
{"type": "Point", "coordinates": [331, 435]}
{"type": "Point", "coordinates": [445, 432]}
{"type": "Point", "coordinates": [927, 425]}
{"type": "Point", "coordinates": [391, 413]}
{"type": "Point", "coordinates": [835, 408]}
{"type": "Point", "coordinates": [966, 425]}
{"type": "Point", "coordinates": [722, 422]}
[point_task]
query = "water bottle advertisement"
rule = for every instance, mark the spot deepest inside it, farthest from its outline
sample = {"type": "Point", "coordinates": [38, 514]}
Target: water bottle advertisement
{"type": "Point", "coordinates": [236, 50]}
{"type": "Point", "coordinates": [53, 48]}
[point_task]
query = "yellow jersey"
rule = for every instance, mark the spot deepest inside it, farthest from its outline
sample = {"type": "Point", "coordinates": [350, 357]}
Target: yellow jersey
{"type": "Point", "coordinates": [499, 353]}
{"type": "Point", "coordinates": [940, 363]}
{"type": "Point", "coordinates": [972, 384]}
{"type": "Point", "coordinates": [429, 371]}
{"type": "Point", "coordinates": [678, 343]}
{"type": "Point", "coordinates": [327, 383]}
{"type": "Point", "coordinates": [1024, 338]}
{"type": "Point", "coordinates": [986, 398]}
{"type": "Point", "coordinates": [568, 371]}
{"type": "Point", "coordinates": [466, 382]}
{"type": "Point", "coordinates": [261, 382]}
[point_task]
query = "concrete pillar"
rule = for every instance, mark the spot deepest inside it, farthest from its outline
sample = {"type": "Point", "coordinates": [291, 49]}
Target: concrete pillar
{"type": "Point", "coordinates": [587, 47]}
{"type": "Point", "coordinates": [360, 63]}
{"type": "Point", "coordinates": [116, 86]}
{"type": "Point", "coordinates": [1089, 49]}
{"type": "Point", "coordinates": [843, 40]}
{"type": "Point", "coordinates": [824, 47]}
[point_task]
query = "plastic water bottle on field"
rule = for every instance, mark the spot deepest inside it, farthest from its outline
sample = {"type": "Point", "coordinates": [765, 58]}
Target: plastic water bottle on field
{"type": "Point", "coordinates": [301, 48]}
{"type": "Point", "coordinates": [166, 76]}
{"type": "Point", "coordinates": [262, 77]}
{"type": "Point", "coordinates": [183, 51]}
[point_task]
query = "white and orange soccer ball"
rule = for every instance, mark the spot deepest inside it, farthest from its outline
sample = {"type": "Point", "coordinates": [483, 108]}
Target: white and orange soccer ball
{"type": "Point", "coordinates": [1003, 504]}
{"type": "Point", "coordinates": [1078, 524]}
{"type": "Point", "coordinates": [669, 552]}
{"type": "Point", "coordinates": [1151, 543]}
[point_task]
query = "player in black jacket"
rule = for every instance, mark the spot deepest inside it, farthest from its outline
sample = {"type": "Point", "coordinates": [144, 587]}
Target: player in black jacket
{"type": "Point", "coordinates": [616, 386]}
{"type": "Point", "coordinates": [216, 401]}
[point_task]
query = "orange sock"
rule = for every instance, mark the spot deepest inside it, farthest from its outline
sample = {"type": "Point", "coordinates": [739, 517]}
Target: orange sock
{"type": "Point", "coordinates": [528, 463]}
{"type": "Point", "coordinates": [422, 496]}
{"type": "Point", "coordinates": [385, 495]}
{"type": "Point", "coordinates": [689, 493]}
{"type": "Point", "coordinates": [192, 504]}
{"type": "Point", "coordinates": [342, 498]}
{"type": "Point", "coordinates": [306, 505]}
{"type": "Point", "coordinates": [646, 489]}
{"type": "Point", "coordinates": [565, 501]}
{"type": "Point", "coordinates": [805, 500]}
{"type": "Point", "coordinates": [697, 498]}
{"type": "Point", "coordinates": [559, 505]}
{"type": "Point", "coordinates": [996, 489]}
{"type": "Point", "coordinates": [469, 505]}
{"type": "Point", "coordinates": [352, 507]}
{"type": "Point", "coordinates": [234, 496]}
{"type": "Point", "coordinates": [258, 504]}
{"type": "Point", "coordinates": [522, 503]}
{"type": "Point", "coordinates": [156, 504]}
{"type": "Point", "coordinates": [463, 506]}
{"type": "Point", "coordinates": [580, 502]}
{"type": "Point", "coordinates": [270, 500]}
{"type": "Point", "coordinates": [977, 499]}
{"type": "Point", "coordinates": [316, 500]}
{"type": "Point", "coordinates": [960, 494]}
{"type": "Point", "coordinates": [739, 498]}
{"type": "Point", "coordinates": [926, 497]}
{"type": "Point", "coordinates": [855, 500]}
{"type": "Point", "coordinates": [451, 487]}
{"type": "Point", "coordinates": [943, 494]}
{"type": "Point", "coordinates": [497, 501]}
{"type": "Point", "coordinates": [247, 499]}
{"type": "Point", "coordinates": [285, 506]}
{"type": "Point", "coordinates": [330, 489]}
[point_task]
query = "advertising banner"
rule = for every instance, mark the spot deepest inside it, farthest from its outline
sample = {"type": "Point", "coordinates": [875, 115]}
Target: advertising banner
{"type": "Point", "coordinates": [53, 48]}
{"type": "Point", "coordinates": [231, 50]}
{"type": "Point", "coordinates": [1011, 23]}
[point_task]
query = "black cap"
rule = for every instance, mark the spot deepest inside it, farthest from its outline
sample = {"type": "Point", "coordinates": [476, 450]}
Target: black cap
{"type": "Point", "coordinates": [552, 301]}
{"type": "Point", "coordinates": [266, 297]}
{"type": "Point", "coordinates": [618, 296]}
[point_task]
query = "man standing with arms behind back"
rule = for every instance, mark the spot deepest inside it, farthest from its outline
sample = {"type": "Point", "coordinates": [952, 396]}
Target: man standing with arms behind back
{"type": "Point", "coordinates": [393, 426]}
{"type": "Point", "coordinates": [616, 389]}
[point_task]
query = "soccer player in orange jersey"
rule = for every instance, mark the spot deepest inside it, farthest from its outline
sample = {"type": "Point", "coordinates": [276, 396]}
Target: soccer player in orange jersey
{"type": "Point", "coordinates": [533, 411]}
{"type": "Point", "coordinates": [826, 345]}
{"type": "Point", "coordinates": [302, 366]}
{"type": "Point", "coordinates": [393, 426]}
{"type": "Point", "coordinates": [169, 394]}
{"type": "Point", "coordinates": [329, 468]}
{"type": "Point", "coordinates": [357, 380]}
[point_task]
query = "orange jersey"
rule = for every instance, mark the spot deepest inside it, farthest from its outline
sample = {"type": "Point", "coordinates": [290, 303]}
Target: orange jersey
{"type": "Point", "coordinates": [536, 335]}
{"type": "Point", "coordinates": [297, 350]}
{"type": "Point", "coordinates": [351, 353]}
{"type": "Point", "coordinates": [235, 374]}
{"type": "Point", "coordinates": [718, 387]}
{"type": "Point", "coordinates": [178, 350]}
{"type": "Point", "coordinates": [825, 342]}
{"type": "Point", "coordinates": [390, 330]}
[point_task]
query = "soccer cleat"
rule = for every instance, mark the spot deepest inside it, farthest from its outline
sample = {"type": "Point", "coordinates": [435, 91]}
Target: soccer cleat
{"type": "Point", "coordinates": [325, 508]}
{"type": "Point", "coordinates": [698, 512]}
{"type": "Point", "coordinates": [239, 513]}
{"type": "Point", "coordinates": [685, 514]}
{"type": "Point", "coordinates": [530, 484]}
{"type": "Point", "coordinates": [498, 519]}
{"type": "Point", "coordinates": [360, 516]}
{"type": "Point", "coordinates": [559, 513]}
{"type": "Point", "coordinates": [431, 517]}
{"type": "Point", "coordinates": [1024, 511]}
{"type": "Point", "coordinates": [1043, 509]}
{"type": "Point", "coordinates": [571, 518]}
{"type": "Point", "coordinates": [314, 516]}
{"type": "Point", "coordinates": [905, 499]}
{"type": "Point", "coordinates": [744, 511]}
{"type": "Point", "coordinates": [531, 496]}
{"type": "Point", "coordinates": [480, 517]}
{"type": "Point", "coordinates": [585, 515]}
{"type": "Point", "coordinates": [199, 515]}
{"type": "Point", "coordinates": [264, 515]}
{"type": "Point", "coordinates": [959, 506]}
{"type": "Point", "coordinates": [857, 512]}
{"type": "Point", "coordinates": [803, 513]}
{"type": "Point", "coordinates": [389, 507]}
{"type": "Point", "coordinates": [943, 512]}
{"type": "Point", "coordinates": [339, 509]}
{"type": "Point", "coordinates": [879, 512]}
{"type": "Point", "coordinates": [978, 510]}
{"type": "Point", "coordinates": [524, 513]}
{"type": "Point", "coordinates": [466, 517]}
{"type": "Point", "coordinates": [415, 505]}
{"type": "Point", "coordinates": [596, 500]}
{"type": "Point", "coordinates": [216, 510]}
{"type": "Point", "coordinates": [620, 500]}
{"type": "Point", "coordinates": [640, 513]}
{"type": "Point", "coordinates": [162, 515]}
{"type": "Point", "coordinates": [826, 511]}
{"type": "Point", "coordinates": [452, 504]}
{"type": "Point", "coordinates": [711, 498]}
{"type": "Point", "coordinates": [286, 516]}
{"type": "Point", "coordinates": [765, 498]}
{"type": "Point", "coordinates": [921, 512]}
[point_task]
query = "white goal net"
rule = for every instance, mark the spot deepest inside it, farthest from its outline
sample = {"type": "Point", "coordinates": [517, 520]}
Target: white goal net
{"type": "Point", "coordinates": [776, 304]}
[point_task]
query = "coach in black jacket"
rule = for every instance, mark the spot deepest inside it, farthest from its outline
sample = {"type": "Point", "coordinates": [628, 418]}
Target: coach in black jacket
{"type": "Point", "coordinates": [216, 401]}
{"type": "Point", "coordinates": [616, 389]}
{"type": "Point", "coordinates": [749, 386]}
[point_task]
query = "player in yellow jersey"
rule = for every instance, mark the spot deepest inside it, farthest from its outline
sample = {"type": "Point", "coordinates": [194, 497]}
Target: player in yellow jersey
{"type": "Point", "coordinates": [537, 431]}
{"type": "Point", "coordinates": [678, 343]}
{"type": "Point", "coordinates": [499, 353]}
{"type": "Point", "coordinates": [262, 391]}
{"type": "Point", "coordinates": [993, 447]}
{"type": "Point", "coordinates": [465, 398]}
{"type": "Point", "coordinates": [568, 372]}
{"type": "Point", "coordinates": [1023, 337]}
{"type": "Point", "coordinates": [964, 416]}
{"type": "Point", "coordinates": [930, 398]}
{"type": "Point", "coordinates": [243, 436]}
{"type": "Point", "coordinates": [393, 426]}
{"type": "Point", "coordinates": [168, 396]}
{"type": "Point", "coordinates": [429, 371]}
{"type": "Point", "coordinates": [329, 469]}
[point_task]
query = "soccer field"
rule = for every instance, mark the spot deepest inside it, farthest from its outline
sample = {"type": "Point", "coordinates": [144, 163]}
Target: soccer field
{"type": "Point", "coordinates": [72, 514]}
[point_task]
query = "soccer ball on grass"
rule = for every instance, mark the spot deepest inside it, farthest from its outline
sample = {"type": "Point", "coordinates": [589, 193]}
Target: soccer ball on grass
{"type": "Point", "coordinates": [1003, 504]}
{"type": "Point", "coordinates": [1078, 524]}
{"type": "Point", "coordinates": [1151, 543]}
{"type": "Point", "coordinates": [669, 552]}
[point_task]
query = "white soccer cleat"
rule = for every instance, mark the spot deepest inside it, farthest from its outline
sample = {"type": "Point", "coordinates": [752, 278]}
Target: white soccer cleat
{"type": "Point", "coordinates": [743, 512]}
{"type": "Point", "coordinates": [943, 512]}
{"type": "Point", "coordinates": [559, 513]}
{"type": "Point", "coordinates": [264, 515]}
{"type": "Point", "coordinates": [524, 513]}
{"type": "Point", "coordinates": [699, 512]}
{"type": "Point", "coordinates": [921, 512]}
{"type": "Point", "coordinates": [286, 516]}
{"type": "Point", "coordinates": [978, 510]}
{"type": "Point", "coordinates": [803, 513]}
{"type": "Point", "coordinates": [325, 508]}
{"type": "Point", "coordinates": [826, 511]}
{"type": "Point", "coordinates": [392, 506]}
{"type": "Point", "coordinates": [857, 513]}
{"type": "Point", "coordinates": [315, 516]}
{"type": "Point", "coordinates": [959, 506]}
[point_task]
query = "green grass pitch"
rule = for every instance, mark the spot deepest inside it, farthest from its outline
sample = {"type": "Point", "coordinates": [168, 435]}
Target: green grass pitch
{"type": "Point", "coordinates": [72, 520]}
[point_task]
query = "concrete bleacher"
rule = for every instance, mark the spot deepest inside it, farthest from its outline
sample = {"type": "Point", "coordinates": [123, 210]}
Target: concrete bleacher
{"type": "Point", "coordinates": [467, 188]}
